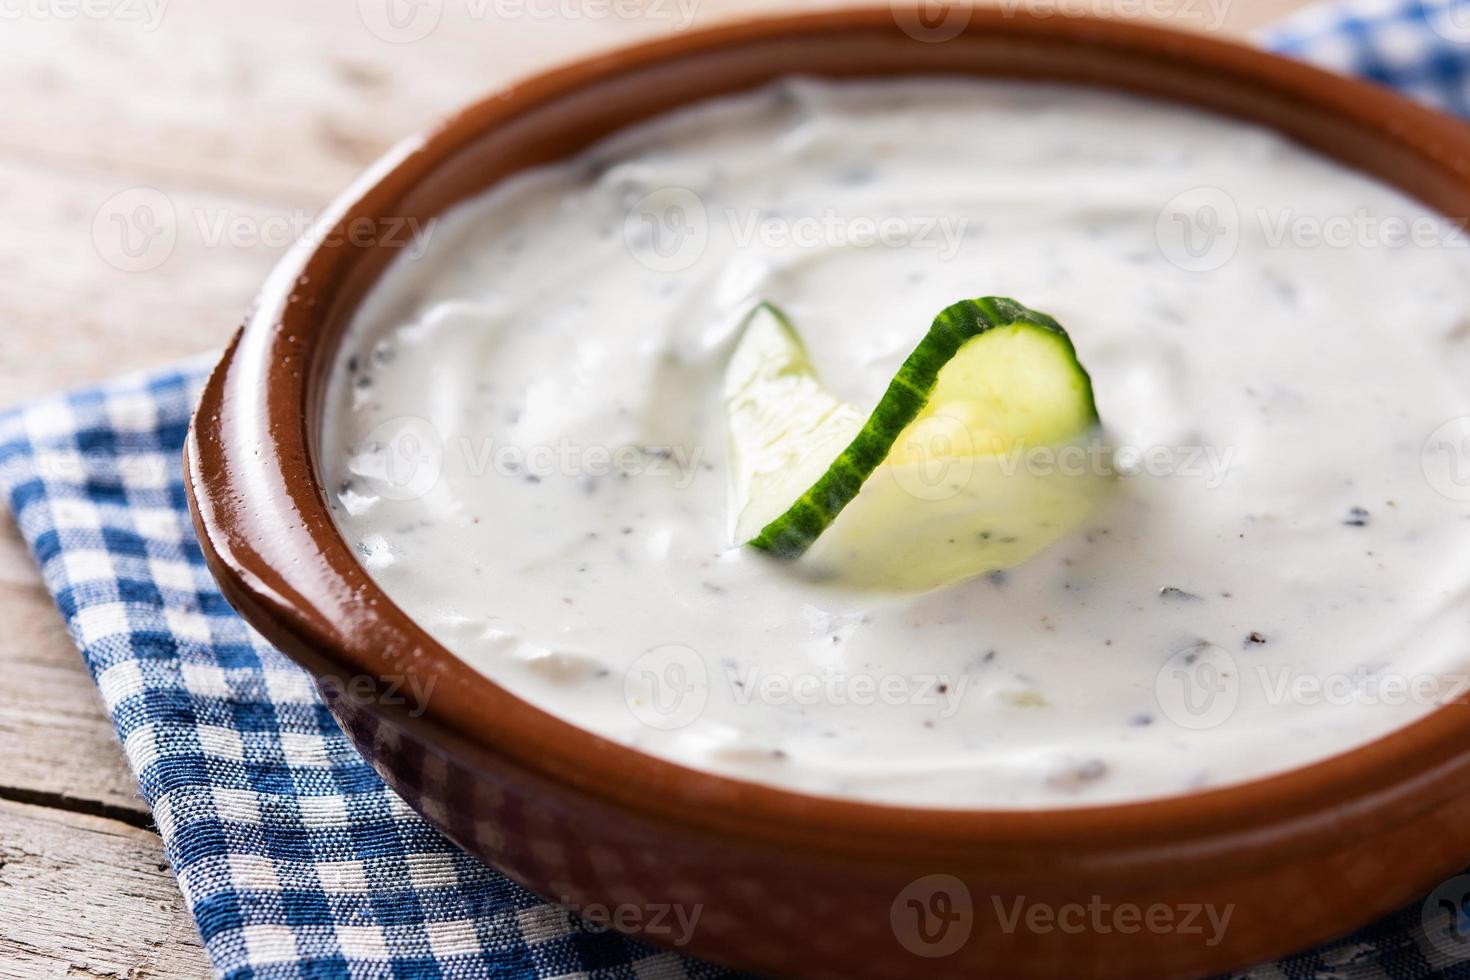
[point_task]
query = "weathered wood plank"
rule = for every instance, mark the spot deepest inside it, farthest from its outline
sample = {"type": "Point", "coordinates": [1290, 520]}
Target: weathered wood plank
{"type": "Point", "coordinates": [271, 98]}
{"type": "Point", "coordinates": [77, 308]}
{"type": "Point", "coordinates": [59, 746]}
{"type": "Point", "coordinates": [286, 101]}
{"type": "Point", "coordinates": [87, 896]}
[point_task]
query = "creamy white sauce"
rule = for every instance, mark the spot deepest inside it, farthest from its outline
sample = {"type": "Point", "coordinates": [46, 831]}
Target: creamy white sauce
{"type": "Point", "coordinates": [549, 340]}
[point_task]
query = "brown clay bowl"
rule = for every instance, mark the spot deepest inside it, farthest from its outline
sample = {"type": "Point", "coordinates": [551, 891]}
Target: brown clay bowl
{"type": "Point", "coordinates": [787, 883]}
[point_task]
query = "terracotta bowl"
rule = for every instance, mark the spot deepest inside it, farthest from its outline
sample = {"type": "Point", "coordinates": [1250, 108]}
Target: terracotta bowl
{"type": "Point", "coordinates": [786, 883]}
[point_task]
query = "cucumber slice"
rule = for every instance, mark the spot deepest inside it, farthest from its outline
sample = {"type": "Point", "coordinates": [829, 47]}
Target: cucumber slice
{"type": "Point", "coordinates": [938, 474]}
{"type": "Point", "coordinates": [785, 427]}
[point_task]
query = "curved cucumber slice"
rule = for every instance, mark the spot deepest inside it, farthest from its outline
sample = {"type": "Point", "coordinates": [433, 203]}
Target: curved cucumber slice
{"type": "Point", "coordinates": [785, 427]}
{"type": "Point", "coordinates": [937, 470]}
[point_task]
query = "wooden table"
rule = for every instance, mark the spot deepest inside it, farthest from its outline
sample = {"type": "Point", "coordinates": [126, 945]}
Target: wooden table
{"type": "Point", "coordinates": [247, 117]}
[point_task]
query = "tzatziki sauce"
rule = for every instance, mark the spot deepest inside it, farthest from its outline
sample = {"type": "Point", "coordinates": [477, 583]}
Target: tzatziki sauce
{"type": "Point", "coordinates": [523, 440]}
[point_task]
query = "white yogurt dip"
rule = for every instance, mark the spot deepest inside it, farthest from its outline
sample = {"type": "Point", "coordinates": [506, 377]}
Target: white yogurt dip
{"type": "Point", "coordinates": [524, 442]}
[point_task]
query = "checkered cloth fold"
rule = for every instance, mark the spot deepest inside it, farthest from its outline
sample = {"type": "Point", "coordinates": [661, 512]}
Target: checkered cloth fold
{"type": "Point", "coordinates": [294, 857]}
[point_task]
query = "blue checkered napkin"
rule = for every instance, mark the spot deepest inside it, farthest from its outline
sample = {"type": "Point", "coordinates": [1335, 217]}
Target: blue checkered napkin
{"type": "Point", "coordinates": [293, 856]}
{"type": "Point", "coordinates": [1420, 47]}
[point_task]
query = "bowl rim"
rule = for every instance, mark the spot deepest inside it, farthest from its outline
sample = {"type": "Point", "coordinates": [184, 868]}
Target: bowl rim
{"type": "Point", "coordinates": [269, 539]}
